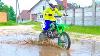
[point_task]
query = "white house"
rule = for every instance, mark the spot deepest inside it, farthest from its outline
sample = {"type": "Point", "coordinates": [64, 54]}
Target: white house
{"type": "Point", "coordinates": [37, 10]}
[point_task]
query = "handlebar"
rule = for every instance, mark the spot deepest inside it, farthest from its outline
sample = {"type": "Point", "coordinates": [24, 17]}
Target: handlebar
{"type": "Point", "coordinates": [60, 16]}
{"type": "Point", "coordinates": [57, 16]}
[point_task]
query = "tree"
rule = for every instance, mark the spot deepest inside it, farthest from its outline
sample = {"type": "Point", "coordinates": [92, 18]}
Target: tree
{"type": "Point", "coordinates": [69, 5]}
{"type": "Point", "coordinates": [5, 8]}
{"type": "Point", "coordinates": [1, 5]}
{"type": "Point", "coordinates": [60, 7]}
{"type": "Point", "coordinates": [11, 14]}
{"type": "Point", "coordinates": [9, 10]}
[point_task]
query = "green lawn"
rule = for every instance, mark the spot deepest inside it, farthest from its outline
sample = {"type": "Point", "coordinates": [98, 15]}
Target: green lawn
{"type": "Point", "coordinates": [85, 29]}
{"type": "Point", "coordinates": [37, 25]}
{"type": "Point", "coordinates": [9, 23]}
{"type": "Point", "coordinates": [79, 29]}
{"type": "Point", "coordinates": [31, 23]}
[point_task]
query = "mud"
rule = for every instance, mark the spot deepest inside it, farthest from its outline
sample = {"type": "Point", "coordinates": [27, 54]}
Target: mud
{"type": "Point", "coordinates": [22, 43]}
{"type": "Point", "coordinates": [78, 48]}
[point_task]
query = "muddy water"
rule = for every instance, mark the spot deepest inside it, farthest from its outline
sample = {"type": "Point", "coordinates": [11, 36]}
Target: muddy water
{"type": "Point", "coordinates": [78, 48]}
{"type": "Point", "coordinates": [28, 50]}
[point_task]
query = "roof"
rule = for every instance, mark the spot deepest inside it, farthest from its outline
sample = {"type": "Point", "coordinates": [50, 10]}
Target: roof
{"type": "Point", "coordinates": [35, 5]}
{"type": "Point", "coordinates": [24, 14]}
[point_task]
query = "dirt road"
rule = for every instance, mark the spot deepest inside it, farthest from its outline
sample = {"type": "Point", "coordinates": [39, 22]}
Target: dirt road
{"type": "Point", "coordinates": [82, 44]}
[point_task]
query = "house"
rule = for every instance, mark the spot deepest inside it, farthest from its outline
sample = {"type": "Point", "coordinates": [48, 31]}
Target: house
{"type": "Point", "coordinates": [24, 16]}
{"type": "Point", "coordinates": [74, 16]}
{"type": "Point", "coordinates": [37, 10]}
{"type": "Point", "coordinates": [3, 17]}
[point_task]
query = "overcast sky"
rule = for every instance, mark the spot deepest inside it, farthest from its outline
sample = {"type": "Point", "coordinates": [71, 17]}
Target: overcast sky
{"type": "Point", "coordinates": [24, 4]}
{"type": "Point", "coordinates": [27, 4]}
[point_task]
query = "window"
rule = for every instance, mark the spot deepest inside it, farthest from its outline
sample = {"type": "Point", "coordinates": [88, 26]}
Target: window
{"type": "Point", "coordinates": [43, 8]}
{"type": "Point", "coordinates": [41, 16]}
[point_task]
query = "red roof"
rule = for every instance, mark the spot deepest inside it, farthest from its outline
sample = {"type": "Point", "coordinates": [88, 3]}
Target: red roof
{"type": "Point", "coordinates": [24, 14]}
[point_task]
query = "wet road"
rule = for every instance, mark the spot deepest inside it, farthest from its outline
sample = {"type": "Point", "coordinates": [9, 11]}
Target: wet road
{"type": "Point", "coordinates": [78, 48]}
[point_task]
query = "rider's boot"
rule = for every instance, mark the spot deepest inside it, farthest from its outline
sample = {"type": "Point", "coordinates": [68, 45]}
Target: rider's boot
{"type": "Point", "coordinates": [44, 31]}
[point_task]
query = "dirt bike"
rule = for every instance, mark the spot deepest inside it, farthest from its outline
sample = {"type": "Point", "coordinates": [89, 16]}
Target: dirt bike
{"type": "Point", "coordinates": [57, 31]}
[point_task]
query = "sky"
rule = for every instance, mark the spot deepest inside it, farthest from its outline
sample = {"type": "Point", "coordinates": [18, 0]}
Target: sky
{"type": "Point", "coordinates": [23, 4]}
{"type": "Point", "coordinates": [27, 4]}
{"type": "Point", "coordinates": [82, 3]}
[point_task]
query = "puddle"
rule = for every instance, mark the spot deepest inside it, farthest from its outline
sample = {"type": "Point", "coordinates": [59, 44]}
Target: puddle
{"type": "Point", "coordinates": [78, 48]}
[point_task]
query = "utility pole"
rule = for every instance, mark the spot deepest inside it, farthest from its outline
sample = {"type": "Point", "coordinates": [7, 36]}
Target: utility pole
{"type": "Point", "coordinates": [94, 11]}
{"type": "Point", "coordinates": [16, 11]}
{"type": "Point", "coordinates": [19, 10]}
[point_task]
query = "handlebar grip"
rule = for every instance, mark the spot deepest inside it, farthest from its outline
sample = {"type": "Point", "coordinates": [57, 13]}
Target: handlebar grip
{"type": "Point", "coordinates": [65, 15]}
{"type": "Point", "coordinates": [60, 16]}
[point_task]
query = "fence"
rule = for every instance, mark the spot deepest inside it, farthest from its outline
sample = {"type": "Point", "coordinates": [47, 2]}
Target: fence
{"type": "Point", "coordinates": [83, 16]}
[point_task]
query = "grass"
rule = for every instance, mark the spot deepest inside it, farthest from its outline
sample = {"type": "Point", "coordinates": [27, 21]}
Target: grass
{"type": "Point", "coordinates": [37, 25]}
{"type": "Point", "coordinates": [9, 23]}
{"type": "Point", "coordinates": [85, 29]}
{"type": "Point", "coordinates": [31, 23]}
{"type": "Point", "coordinates": [38, 28]}
{"type": "Point", "coordinates": [79, 29]}
{"type": "Point", "coordinates": [95, 30]}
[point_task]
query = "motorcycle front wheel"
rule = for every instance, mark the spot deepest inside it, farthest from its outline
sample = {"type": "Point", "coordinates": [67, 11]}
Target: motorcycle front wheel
{"type": "Point", "coordinates": [64, 40]}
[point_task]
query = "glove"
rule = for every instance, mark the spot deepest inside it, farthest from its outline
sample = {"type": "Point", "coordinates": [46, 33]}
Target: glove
{"type": "Point", "coordinates": [65, 15]}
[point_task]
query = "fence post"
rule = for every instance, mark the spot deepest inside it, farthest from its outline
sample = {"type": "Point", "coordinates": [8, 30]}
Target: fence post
{"type": "Point", "coordinates": [73, 20]}
{"type": "Point", "coordinates": [65, 16]}
{"type": "Point", "coordinates": [94, 11]}
{"type": "Point", "coordinates": [82, 16]}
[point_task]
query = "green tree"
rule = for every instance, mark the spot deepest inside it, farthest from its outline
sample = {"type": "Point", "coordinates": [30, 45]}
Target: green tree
{"type": "Point", "coordinates": [11, 14]}
{"type": "Point", "coordinates": [1, 5]}
{"type": "Point", "coordinates": [60, 7]}
{"type": "Point", "coordinates": [9, 10]}
{"type": "Point", "coordinates": [5, 8]}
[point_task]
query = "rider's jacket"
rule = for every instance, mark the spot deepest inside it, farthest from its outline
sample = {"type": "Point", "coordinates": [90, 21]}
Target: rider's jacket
{"type": "Point", "coordinates": [48, 14]}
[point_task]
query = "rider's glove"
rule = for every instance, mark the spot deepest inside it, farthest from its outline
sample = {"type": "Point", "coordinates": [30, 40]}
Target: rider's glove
{"type": "Point", "coordinates": [65, 15]}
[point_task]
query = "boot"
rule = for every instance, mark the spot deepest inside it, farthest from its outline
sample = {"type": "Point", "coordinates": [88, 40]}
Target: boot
{"type": "Point", "coordinates": [44, 31]}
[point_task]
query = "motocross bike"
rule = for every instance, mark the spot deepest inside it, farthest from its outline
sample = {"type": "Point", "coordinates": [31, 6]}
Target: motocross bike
{"type": "Point", "coordinates": [57, 31]}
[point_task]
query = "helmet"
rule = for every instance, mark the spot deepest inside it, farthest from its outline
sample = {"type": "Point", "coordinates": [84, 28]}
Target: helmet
{"type": "Point", "coordinates": [53, 2]}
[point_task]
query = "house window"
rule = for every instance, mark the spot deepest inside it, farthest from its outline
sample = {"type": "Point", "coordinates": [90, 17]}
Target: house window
{"type": "Point", "coordinates": [43, 7]}
{"type": "Point", "coordinates": [41, 16]}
